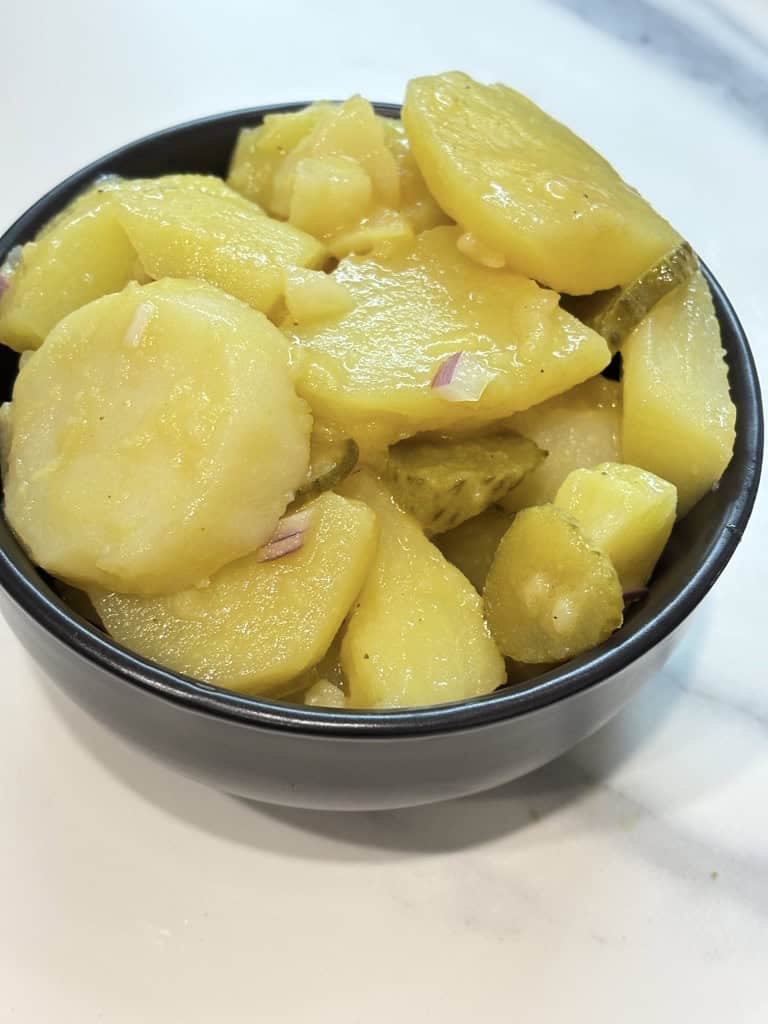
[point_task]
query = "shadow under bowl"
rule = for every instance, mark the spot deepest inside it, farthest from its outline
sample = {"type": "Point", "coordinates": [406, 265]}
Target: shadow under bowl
{"type": "Point", "coordinates": [322, 758]}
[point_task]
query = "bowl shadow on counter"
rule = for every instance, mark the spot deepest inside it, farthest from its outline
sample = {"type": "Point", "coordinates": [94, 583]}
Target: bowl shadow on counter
{"type": "Point", "coordinates": [446, 827]}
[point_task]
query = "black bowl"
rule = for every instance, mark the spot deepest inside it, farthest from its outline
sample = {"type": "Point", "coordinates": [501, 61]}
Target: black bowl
{"type": "Point", "coordinates": [320, 758]}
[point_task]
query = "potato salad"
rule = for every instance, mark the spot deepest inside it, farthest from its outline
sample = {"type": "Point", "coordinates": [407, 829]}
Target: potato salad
{"type": "Point", "coordinates": [399, 412]}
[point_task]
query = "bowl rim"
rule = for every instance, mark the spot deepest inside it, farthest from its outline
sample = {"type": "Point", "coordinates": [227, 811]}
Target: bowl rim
{"type": "Point", "coordinates": [20, 580]}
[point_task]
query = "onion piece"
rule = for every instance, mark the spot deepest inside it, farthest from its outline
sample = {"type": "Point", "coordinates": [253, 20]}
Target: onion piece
{"type": "Point", "coordinates": [633, 596]}
{"type": "Point", "coordinates": [462, 378]}
{"type": "Point", "coordinates": [138, 325]}
{"type": "Point", "coordinates": [288, 536]}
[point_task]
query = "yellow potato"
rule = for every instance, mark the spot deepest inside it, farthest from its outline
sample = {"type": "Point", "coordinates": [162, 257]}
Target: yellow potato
{"type": "Point", "coordinates": [226, 241]}
{"type": "Point", "coordinates": [156, 437]}
{"type": "Point", "coordinates": [625, 511]}
{"type": "Point", "coordinates": [416, 634]}
{"type": "Point", "coordinates": [257, 624]}
{"type": "Point", "coordinates": [679, 419]}
{"type": "Point", "coordinates": [371, 370]}
{"type": "Point", "coordinates": [312, 295]}
{"type": "Point", "coordinates": [529, 188]}
{"type": "Point", "coordinates": [579, 428]}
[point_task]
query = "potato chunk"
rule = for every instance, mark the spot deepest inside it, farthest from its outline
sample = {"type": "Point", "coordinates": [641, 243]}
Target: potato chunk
{"type": "Point", "coordinates": [679, 419]}
{"type": "Point", "coordinates": [258, 624]}
{"type": "Point", "coordinates": [625, 511]}
{"type": "Point", "coordinates": [371, 370]}
{"type": "Point", "coordinates": [528, 187]}
{"type": "Point", "coordinates": [417, 634]}
{"type": "Point", "coordinates": [226, 241]}
{"type": "Point", "coordinates": [156, 437]}
{"type": "Point", "coordinates": [85, 254]}
{"type": "Point", "coordinates": [578, 428]}
{"type": "Point", "coordinates": [550, 595]}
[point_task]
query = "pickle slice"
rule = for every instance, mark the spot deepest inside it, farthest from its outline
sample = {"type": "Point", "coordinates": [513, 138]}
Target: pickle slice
{"type": "Point", "coordinates": [444, 482]}
{"type": "Point", "coordinates": [616, 313]}
{"type": "Point", "coordinates": [330, 462]}
{"type": "Point", "coordinates": [550, 595]}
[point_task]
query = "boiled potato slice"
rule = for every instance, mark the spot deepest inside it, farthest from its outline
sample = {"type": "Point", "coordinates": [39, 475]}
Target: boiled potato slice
{"type": "Point", "coordinates": [226, 241]}
{"type": "Point", "coordinates": [625, 511]}
{"type": "Point", "coordinates": [528, 187]}
{"type": "Point", "coordinates": [329, 194]}
{"type": "Point", "coordinates": [260, 151]}
{"type": "Point", "coordinates": [550, 595]}
{"type": "Point", "coordinates": [257, 624]}
{"type": "Point", "coordinates": [578, 428]}
{"type": "Point", "coordinates": [472, 546]}
{"type": "Point", "coordinates": [85, 254]}
{"type": "Point", "coordinates": [416, 634]}
{"type": "Point", "coordinates": [371, 370]}
{"type": "Point", "coordinates": [678, 417]}
{"type": "Point", "coordinates": [442, 482]}
{"type": "Point", "coordinates": [156, 437]}
{"type": "Point", "coordinates": [82, 254]}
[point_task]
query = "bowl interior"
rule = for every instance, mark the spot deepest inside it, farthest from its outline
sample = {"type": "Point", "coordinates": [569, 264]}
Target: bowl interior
{"type": "Point", "coordinates": [699, 548]}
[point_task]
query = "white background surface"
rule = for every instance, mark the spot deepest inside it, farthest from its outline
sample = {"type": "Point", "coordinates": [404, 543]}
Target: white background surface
{"type": "Point", "coordinates": [628, 881]}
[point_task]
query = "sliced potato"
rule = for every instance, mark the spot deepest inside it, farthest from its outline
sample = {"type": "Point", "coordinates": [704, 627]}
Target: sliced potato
{"type": "Point", "coordinates": [417, 204]}
{"type": "Point", "coordinates": [442, 482]}
{"type": "Point", "coordinates": [226, 241]}
{"type": "Point", "coordinates": [579, 428]}
{"type": "Point", "coordinates": [140, 460]}
{"type": "Point", "coordinates": [472, 546]}
{"type": "Point", "coordinates": [625, 511]}
{"type": "Point", "coordinates": [258, 624]}
{"type": "Point", "coordinates": [371, 370]}
{"type": "Point", "coordinates": [529, 188]}
{"type": "Point", "coordinates": [325, 694]}
{"type": "Point", "coordinates": [416, 634]}
{"type": "Point", "coordinates": [678, 418]}
{"type": "Point", "coordinates": [312, 295]}
{"type": "Point", "coordinates": [550, 594]}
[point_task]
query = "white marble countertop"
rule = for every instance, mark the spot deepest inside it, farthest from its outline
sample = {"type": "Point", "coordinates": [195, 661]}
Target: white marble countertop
{"type": "Point", "coordinates": [626, 882]}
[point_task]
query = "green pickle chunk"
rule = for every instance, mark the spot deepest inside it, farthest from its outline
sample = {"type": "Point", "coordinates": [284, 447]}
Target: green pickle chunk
{"type": "Point", "coordinates": [550, 594]}
{"type": "Point", "coordinates": [444, 482]}
{"type": "Point", "coordinates": [616, 313]}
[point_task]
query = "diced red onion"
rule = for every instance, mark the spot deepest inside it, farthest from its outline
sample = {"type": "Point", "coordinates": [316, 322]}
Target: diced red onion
{"type": "Point", "coordinates": [288, 536]}
{"type": "Point", "coordinates": [279, 548]}
{"type": "Point", "coordinates": [633, 596]}
{"type": "Point", "coordinates": [462, 378]}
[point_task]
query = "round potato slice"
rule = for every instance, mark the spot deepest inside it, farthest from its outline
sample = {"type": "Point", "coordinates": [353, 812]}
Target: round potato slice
{"type": "Point", "coordinates": [549, 594]}
{"type": "Point", "coordinates": [527, 187]}
{"type": "Point", "coordinates": [156, 437]}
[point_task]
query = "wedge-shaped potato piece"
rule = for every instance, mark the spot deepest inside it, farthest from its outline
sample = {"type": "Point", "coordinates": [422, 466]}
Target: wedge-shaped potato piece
{"type": "Point", "coordinates": [678, 418]}
{"type": "Point", "coordinates": [261, 150]}
{"type": "Point", "coordinates": [325, 694]}
{"type": "Point", "coordinates": [417, 634]}
{"type": "Point", "coordinates": [156, 437]}
{"type": "Point", "coordinates": [550, 594]}
{"type": "Point", "coordinates": [226, 241]}
{"type": "Point", "coordinates": [625, 511]}
{"type": "Point", "coordinates": [372, 369]}
{"type": "Point", "coordinates": [442, 482]}
{"type": "Point", "coordinates": [85, 254]}
{"type": "Point", "coordinates": [528, 187]}
{"type": "Point", "coordinates": [82, 254]}
{"type": "Point", "coordinates": [258, 624]}
{"type": "Point", "coordinates": [471, 547]}
{"type": "Point", "coordinates": [578, 428]}
{"type": "Point", "coordinates": [312, 295]}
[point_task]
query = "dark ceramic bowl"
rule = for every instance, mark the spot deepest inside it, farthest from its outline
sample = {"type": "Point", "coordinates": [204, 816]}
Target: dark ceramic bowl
{"type": "Point", "coordinates": [312, 757]}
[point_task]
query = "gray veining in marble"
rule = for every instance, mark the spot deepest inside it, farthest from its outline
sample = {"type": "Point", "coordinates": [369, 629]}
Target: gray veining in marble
{"type": "Point", "coordinates": [684, 47]}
